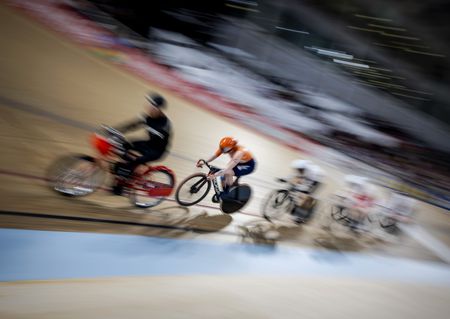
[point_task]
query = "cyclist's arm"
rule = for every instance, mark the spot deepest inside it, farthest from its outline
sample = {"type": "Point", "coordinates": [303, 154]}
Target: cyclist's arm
{"type": "Point", "coordinates": [131, 125]}
{"type": "Point", "coordinates": [295, 180]}
{"type": "Point", "coordinates": [235, 160]}
{"type": "Point", "coordinates": [158, 130]}
{"type": "Point", "coordinates": [213, 157]}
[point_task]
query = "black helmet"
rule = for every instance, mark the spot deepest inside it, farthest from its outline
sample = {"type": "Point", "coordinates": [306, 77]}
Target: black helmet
{"type": "Point", "coordinates": [156, 100]}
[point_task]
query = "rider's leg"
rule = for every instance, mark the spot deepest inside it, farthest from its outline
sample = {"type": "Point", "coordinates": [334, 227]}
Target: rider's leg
{"type": "Point", "coordinates": [147, 154]}
{"type": "Point", "coordinates": [309, 201]}
{"type": "Point", "coordinates": [125, 170]}
{"type": "Point", "coordinates": [358, 217]}
{"type": "Point", "coordinates": [243, 169]}
{"type": "Point", "coordinates": [237, 171]}
{"type": "Point", "coordinates": [229, 178]}
{"type": "Point", "coordinates": [299, 198]}
{"type": "Point", "coordinates": [227, 181]}
{"type": "Point", "coordinates": [302, 197]}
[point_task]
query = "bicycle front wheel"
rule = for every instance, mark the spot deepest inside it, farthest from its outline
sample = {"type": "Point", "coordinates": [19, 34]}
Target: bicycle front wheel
{"type": "Point", "coordinates": [278, 205]}
{"type": "Point", "coordinates": [193, 189]}
{"type": "Point", "coordinates": [340, 213]}
{"type": "Point", "coordinates": [152, 188]}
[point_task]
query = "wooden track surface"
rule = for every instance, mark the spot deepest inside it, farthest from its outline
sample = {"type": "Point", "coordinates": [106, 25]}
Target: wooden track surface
{"type": "Point", "coordinates": [222, 297]}
{"type": "Point", "coordinates": [53, 93]}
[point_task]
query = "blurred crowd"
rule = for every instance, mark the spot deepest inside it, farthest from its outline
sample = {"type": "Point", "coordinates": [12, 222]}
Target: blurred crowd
{"type": "Point", "coordinates": [422, 167]}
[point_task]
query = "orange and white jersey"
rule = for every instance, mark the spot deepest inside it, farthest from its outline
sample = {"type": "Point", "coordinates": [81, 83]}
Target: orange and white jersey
{"type": "Point", "coordinates": [245, 158]}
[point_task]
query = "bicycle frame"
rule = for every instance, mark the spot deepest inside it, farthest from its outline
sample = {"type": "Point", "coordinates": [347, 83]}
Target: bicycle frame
{"type": "Point", "coordinates": [110, 148]}
{"type": "Point", "coordinates": [212, 170]}
{"type": "Point", "coordinates": [230, 203]}
{"type": "Point", "coordinates": [293, 192]}
{"type": "Point", "coordinates": [216, 185]}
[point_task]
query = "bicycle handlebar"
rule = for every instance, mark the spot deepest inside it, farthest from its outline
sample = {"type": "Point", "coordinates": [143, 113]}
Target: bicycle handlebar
{"type": "Point", "coordinates": [113, 131]}
{"type": "Point", "coordinates": [204, 162]}
{"type": "Point", "coordinates": [115, 137]}
{"type": "Point", "coordinates": [211, 168]}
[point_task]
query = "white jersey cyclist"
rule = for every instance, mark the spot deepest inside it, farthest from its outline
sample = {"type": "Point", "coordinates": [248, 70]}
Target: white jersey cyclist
{"type": "Point", "coordinates": [308, 176]}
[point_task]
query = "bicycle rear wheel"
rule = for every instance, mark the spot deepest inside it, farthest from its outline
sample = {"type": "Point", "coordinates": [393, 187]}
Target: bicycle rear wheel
{"type": "Point", "coordinates": [236, 199]}
{"type": "Point", "coordinates": [152, 188]}
{"type": "Point", "coordinates": [278, 205]}
{"type": "Point", "coordinates": [193, 189]}
{"type": "Point", "coordinates": [75, 175]}
{"type": "Point", "coordinates": [342, 215]}
{"type": "Point", "coordinates": [387, 222]}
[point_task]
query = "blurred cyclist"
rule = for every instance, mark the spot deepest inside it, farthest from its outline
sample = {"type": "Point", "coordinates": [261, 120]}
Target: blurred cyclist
{"type": "Point", "coordinates": [241, 163]}
{"type": "Point", "coordinates": [306, 179]}
{"type": "Point", "coordinates": [158, 127]}
{"type": "Point", "coordinates": [358, 196]}
{"type": "Point", "coordinates": [308, 176]}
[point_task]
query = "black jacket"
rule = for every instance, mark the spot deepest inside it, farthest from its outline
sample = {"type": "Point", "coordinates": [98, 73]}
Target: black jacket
{"type": "Point", "coordinates": [159, 130]}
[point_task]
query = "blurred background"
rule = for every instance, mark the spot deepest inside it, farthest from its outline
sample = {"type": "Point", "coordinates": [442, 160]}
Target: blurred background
{"type": "Point", "coordinates": [358, 88]}
{"type": "Point", "coordinates": [370, 80]}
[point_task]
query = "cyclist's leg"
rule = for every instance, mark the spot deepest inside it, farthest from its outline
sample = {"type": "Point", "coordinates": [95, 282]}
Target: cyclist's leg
{"type": "Point", "coordinates": [124, 167]}
{"type": "Point", "coordinates": [298, 198]}
{"type": "Point", "coordinates": [228, 179]}
{"type": "Point", "coordinates": [310, 200]}
{"type": "Point", "coordinates": [307, 189]}
{"type": "Point", "coordinates": [357, 217]}
{"type": "Point", "coordinates": [122, 170]}
{"type": "Point", "coordinates": [243, 169]}
{"type": "Point", "coordinates": [239, 170]}
{"type": "Point", "coordinates": [148, 154]}
{"type": "Point", "coordinates": [125, 170]}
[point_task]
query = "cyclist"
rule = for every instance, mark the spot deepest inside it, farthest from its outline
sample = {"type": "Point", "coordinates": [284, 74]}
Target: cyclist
{"type": "Point", "coordinates": [308, 176]}
{"type": "Point", "coordinates": [358, 196]}
{"type": "Point", "coordinates": [241, 163]}
{"type": "Point", "coordinates": [307, 179]}
{"type": "Point", "coordinates": [158, 127]}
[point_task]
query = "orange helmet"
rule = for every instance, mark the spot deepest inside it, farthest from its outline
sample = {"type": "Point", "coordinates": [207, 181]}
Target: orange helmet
{"type": "Point", "coordinates": [227, 144]}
